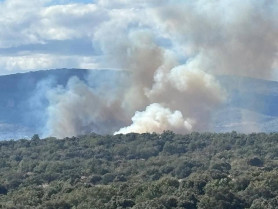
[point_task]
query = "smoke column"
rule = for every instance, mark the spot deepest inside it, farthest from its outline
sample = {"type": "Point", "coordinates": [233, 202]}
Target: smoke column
{"type": "Point", "coordinates": [170, 53]}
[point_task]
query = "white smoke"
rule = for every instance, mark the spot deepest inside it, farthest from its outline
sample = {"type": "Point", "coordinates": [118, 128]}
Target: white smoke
{"type": "Point", "coordinates": [157, 118]}
{"type": "Point", "coordinates": [190, 90]}
{"type": "Point", "coordinates": [170, 51]}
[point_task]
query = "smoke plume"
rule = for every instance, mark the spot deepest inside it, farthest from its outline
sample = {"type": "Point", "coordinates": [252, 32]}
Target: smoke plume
{"type": "Point", "coordinates": [170, 53]}
{"type": "Point", "coordinates": [157, 118]}
{"type": "Point", "coordinates": [79, 110]}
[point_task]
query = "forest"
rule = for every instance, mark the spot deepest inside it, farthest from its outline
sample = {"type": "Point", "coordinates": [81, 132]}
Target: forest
{"type": "Point", "coordinates": [141, 171]}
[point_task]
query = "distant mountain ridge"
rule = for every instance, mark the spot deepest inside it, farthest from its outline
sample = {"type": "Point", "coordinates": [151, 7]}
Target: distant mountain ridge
{"type": "Point", "coordinates": [251, 104]}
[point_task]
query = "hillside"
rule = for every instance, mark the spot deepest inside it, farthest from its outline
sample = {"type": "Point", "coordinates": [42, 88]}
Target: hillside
{"type": "Point", "coordinates": [221, 171]}
{"type": "Point", "coordinates": [251, 106]}
{"type": "Point", "coordinates": [251, 103]}
{"type": "Point", "coordinates": [23, 98]}
{"type": "Point", "coordinates": [20, 107]}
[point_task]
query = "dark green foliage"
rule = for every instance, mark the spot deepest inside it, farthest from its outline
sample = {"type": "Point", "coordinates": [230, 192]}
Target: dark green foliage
{"type": "Point", "coordinates": [141, 171]}
{"type": "Point", "coordinates": [255, 162]}
{"type": "Point", "coordinates": [3, 190]}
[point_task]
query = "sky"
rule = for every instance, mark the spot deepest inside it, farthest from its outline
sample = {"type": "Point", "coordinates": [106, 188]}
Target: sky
{"type": "Point", "coordinates": [46, 34]}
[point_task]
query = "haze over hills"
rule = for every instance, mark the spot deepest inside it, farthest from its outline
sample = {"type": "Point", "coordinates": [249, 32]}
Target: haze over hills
{"type": "Point", "coordinates": [250, 106]}
{"type": "Point", "coordinates": [170, 52]}
{"type": "Point", "coordinates": [23, 98]}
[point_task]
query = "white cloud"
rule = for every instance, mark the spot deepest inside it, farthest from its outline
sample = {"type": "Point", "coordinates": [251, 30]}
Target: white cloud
{"type": "Point", "coordinates": [23, 23]}
{"type": "Point", "coordinates": [69, 21]}
{"type": "Point", "coordinates": [34, 22]}
{"type": "Point", "coordinates": [30, 62]}
{"type": "Point", "coordinates": [44, 61]}
{"type": "Point", "coordinates": [15, 20]}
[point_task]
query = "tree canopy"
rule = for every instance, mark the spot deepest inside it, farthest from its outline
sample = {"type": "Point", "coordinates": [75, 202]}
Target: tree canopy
{"type": "Point", "coordinates": [198, 170]}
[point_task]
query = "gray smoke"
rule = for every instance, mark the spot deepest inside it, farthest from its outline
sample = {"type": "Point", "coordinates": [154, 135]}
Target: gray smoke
{"type": "Point", "coordinates": [78, 109]}
{"type": "Point", "coordinates": [224, 37]}
{"type": "Point", "coordinates": [171, 52]}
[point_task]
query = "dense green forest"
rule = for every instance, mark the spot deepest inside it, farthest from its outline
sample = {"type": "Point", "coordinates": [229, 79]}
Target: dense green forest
{"type": "Point", "coordinates": [141, 171]}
